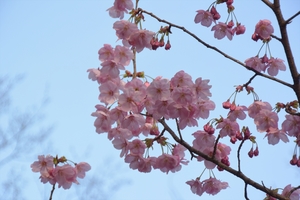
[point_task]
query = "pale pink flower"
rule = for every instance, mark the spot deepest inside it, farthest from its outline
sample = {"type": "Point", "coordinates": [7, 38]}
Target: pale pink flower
{"type": "Point", "coordinates": [182, 95]}
{"type": "Point", "coordinates": [102, 122]}
{"type": "Point", "coordinates": [123, 55]}
{"type": "Point", "coordinates": [237, 113]}
{"type": "Point", "coordinates": [221, 30]}
{"type": "Point", "coordinates": [228, 128]}
{"type": "Point", "coordinates": [291, 125]}
{"type": "Point", "coordinates": [202, 88]}
{"type": "Point", "coordinates": [118, 132]}
{"type": "Point", "coordinates": [286, 193]}
{"type": "Point", "coordinates": [117, 115]}
{"type": "Point", "coordinates": [141, 39]}
{"type": "Point", "coordinates": [274, 65]}
{"type": "Point", "coordinates": [44, 165]}
{"type": "Point", "coordinates": [93, 74]}
{"type": "Point", "coordinates": [119, 8]}
{"type": "Point", "coordinates": [186, 118]}
{"type": "Point", "coordinates": [257, 106]}
{"type": "Point", "coordinates": [203, 108]}
{"type": "Point", "coordinates": [265, 120]}
{"type": "Point", "coordinates": [81, 168]}
{"type": "Point", "coordinates": [138, 87]}
{"type": "Point", "coordinates": [264, 29]}
{"type": "Point", "coordinates": [111, 68]}
{"type": "Point", "coordinates": [127, 101]}
{"type": "Point", "coordinates": [133, 121]}
{"type": "Point", "coordinates": [159, 90]}
{"type": "Point", "coordinates": [274, 135]}
{"type": "Point", "coordinates": [213, 186]}
{"type": "Point", "coordinates": [181, 79]}
{"type": "Point", "coordinates": [203, 140]}
{"type": "Point", "coordinates": [166, 163]}
{"type": "Point", "coordinates": [161, 109]}
{"type": "Point", "coordinates": [205, 17]}
{"type": "Point", "coordinates": [121, 144]}
{"type": "Point", "coordinates": [109, 92]}
{"type": "Point", "coordinates": [124, 29]}
{"type": "Point", "coordinates": [255, 63]}
{"type": "Point", "coordinates": [136, 161]}
{"type": "Point", "coordinates": [65, 175]}
{"type": "Point", "coordinates": [106, 53]}
{"type": "Point", "coordinates": [137, 146]}
{"type": "Point", "coordinates": [196, 186]}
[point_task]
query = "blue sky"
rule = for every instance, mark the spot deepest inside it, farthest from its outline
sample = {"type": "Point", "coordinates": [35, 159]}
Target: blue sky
{"type": "Point", "coordinates": [53, 43]}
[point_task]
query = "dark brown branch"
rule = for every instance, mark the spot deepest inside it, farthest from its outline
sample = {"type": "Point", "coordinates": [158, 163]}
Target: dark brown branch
{"type": "Point", "coordinates": [245, 191]}
{"type": "Point", "coordinates": [216, 49]}
{"type": "Point", "coordinates": [225, 167]}
{"type": "Point", "coordinates": [289, 20]}
{"type": "Point", "coordinates": [215, 147]}
{"type": "Point", "coordinates": [238, 155]}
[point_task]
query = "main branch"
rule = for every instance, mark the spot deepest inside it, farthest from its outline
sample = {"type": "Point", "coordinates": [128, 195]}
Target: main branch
{"type": "Point", "coordinates": [216, 49]}
{"type": "Point", "coordinates": [225, 167]}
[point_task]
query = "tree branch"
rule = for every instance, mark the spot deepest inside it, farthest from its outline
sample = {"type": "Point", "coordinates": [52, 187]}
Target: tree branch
{"type": "Point", "coordinates": [225, 167]}
{"type": "Point", "coordinates": [289, 20]}
{"type": "Point", "coordinates": [216, 49]}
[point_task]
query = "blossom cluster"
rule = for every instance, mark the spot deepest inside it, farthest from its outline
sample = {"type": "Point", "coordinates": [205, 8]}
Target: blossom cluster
{"type": "Point", "coordinates": [222, 29]}
{"type": "Point", "coordinates": [64, 175]}
{"type": "Point", "coordinates": [210, 186]}
{"type": "Point", "coordinates": [263, 31]}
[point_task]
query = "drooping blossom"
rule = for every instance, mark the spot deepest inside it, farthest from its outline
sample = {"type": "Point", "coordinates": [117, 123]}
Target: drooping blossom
{"type": "Point", "coordinates": [228, 128]}
{"type": "Point", "coordinates": [123, 55]}
{"type": "Point", "coordinates": [213, 186]}
{"type": "Point", "coordinates": [256, 63]}
{"type": "Point", "coordinates": [274, 65]}
{"type": "Point", "coordinates": [141, 39]}
{"type": "Point", "coordinates": [274, 135]}
{"type": "Point", "coordinates": [124, 29]}
{"type": "Point", "coordinates": [65, 175]}
{"type": "Point", "coordinates": [81, 168]}
{"type": "Point", "coordinates": [43, 165]}
{"type": "Point", "coordinates": [221, 30]}
{"type": "Point", "coordinates": [239, 29]}
{"type": "Point", "coordinates": [265, 120]}
{"type": "Point", "coordinates": [292, 125]}
{"type": "Point", "coordinates": [264, 29]}
{"type": "Point", "coordinates": [119, 8]}
{"type": "Point", "coordinates": [106, 53]}
{"type": "Point", "coordinates": [196, 186]}
{"type": "Point", "coordinates": [205, 17]}
{"type": "Point", "coordinates": [257, 106]}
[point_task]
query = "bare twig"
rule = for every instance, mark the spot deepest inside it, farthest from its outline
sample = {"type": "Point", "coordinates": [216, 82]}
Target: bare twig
{"type": "Point", "coordinates": [245, 191]}
{"type": "Point", "coordinates": [216, 49]}
{"type": "Point", "coordinates": [289, 20]}
{"type": "Point", "coordinates": [238, 155]}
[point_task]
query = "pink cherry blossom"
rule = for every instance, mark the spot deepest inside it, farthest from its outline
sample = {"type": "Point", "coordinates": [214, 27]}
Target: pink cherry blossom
{"type": "Point", "coordinates": [109, 92]}
{"type": "Point", "coordinates": [255, 63]}
{"type": "Point", "coordinates": [264, 29]}
{"type": "Point", "coordinates": [292, 125]}
{"type": "Point", "coordinates": [182, 95]}
{"type": "Point", "coordinates": [111, 68]}
{"type": "Point", "coordinates": [221, 30]}
{"type": "Point", "coordinates": [274, 65]}
{"type": "Point", "coordinates": [286, 193]}
{"type": "Point", "coordinates": [265, 120]}
{"type": "Point", "coordinates": [124, 29]}
{"type": "Point", "coordinates": [141, 39]}
{"type": "Point", "coordinates": [44, 165]}
{"type": "Point", "coordinates": [65, 175]}
{"type": "Point", "coordinates": [167, 162]}
{"type": "Point", "coordinates": [133, 121]}
{"type": "Point", "coordinates": [203, 108]}
{"type": "Point", "coordinates": [81, 168]}
{"type": "Point", "coordinates": [228, 128]}
{"type": "Point", "coordinates": [118, 132]}
{"type": "Point", "coordinates": [102, 122]}
{"type": "Point", "coordinates": [137, 147]}
{"type": "Point", "coordinates": [202, 88]}
{"type": "Point", "coordinates": [205, 17]}
{"type": "Point", "coordinates": [119, 8]}
{"type": "Point", "coordinates": [203, 140]}
{"type": "Point", "coordinates": [213, 186]}
{"type": "Point", "coordinates": [257, 106]}
{"type": "Point", "coordinates": [237, 113]}
{"type": "Point", "coordinates": [117, 115]}
{"type": "Point", "coordinates": [274, 135]}
{"type": "Point", "coordinates": [121, 144]}
{"type": "Point", "coordinates": [196, 186]}
{"type": "Point", "coordinates": [106, 53]}
{"type": "Point", "coordinates": [123, 55]}
{"type": "Point", "coordinates": [93, 74]}
{"type": "Point", "coordinates": [159, 90]}
{"type": "Point", "coordinates": [182, 79]}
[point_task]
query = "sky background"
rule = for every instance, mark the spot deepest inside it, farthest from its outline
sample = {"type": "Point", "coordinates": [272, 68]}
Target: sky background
{"type": "Point", "coordinates": [53, 43]}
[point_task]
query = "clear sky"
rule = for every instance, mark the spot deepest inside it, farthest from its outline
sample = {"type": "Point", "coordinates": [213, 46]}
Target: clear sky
{"type": "Point", "coordinates": [54, 42]}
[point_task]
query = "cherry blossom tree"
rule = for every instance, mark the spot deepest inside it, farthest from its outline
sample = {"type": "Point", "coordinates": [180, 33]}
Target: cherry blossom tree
{"type": "Point", "coordinates": [136, 111]}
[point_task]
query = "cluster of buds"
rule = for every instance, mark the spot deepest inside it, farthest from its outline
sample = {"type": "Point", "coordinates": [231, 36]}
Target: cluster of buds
{"type": "Point", "coordinates": [290, 107]}
{"type": "Point", "coordinates": [129, 74]}
{"type": "Point", "coordinates": [155, 42]}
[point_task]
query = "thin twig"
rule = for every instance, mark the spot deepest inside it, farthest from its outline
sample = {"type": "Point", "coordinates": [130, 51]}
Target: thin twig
{"type": "Point", "coordinates": [245, 191]}
{"type": "Point", "coordinates": [178, 129]}
{"type": "Point", "coordinates": [215, 147]}
{"type": "Point", "coordinates": [51, 194]}
{"type": "Point", "coordinates": [216, 49]}
{"type": "Point", "coordinates": [238, 155]}
{"type": "Point", "coordinates": [289, 20]}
